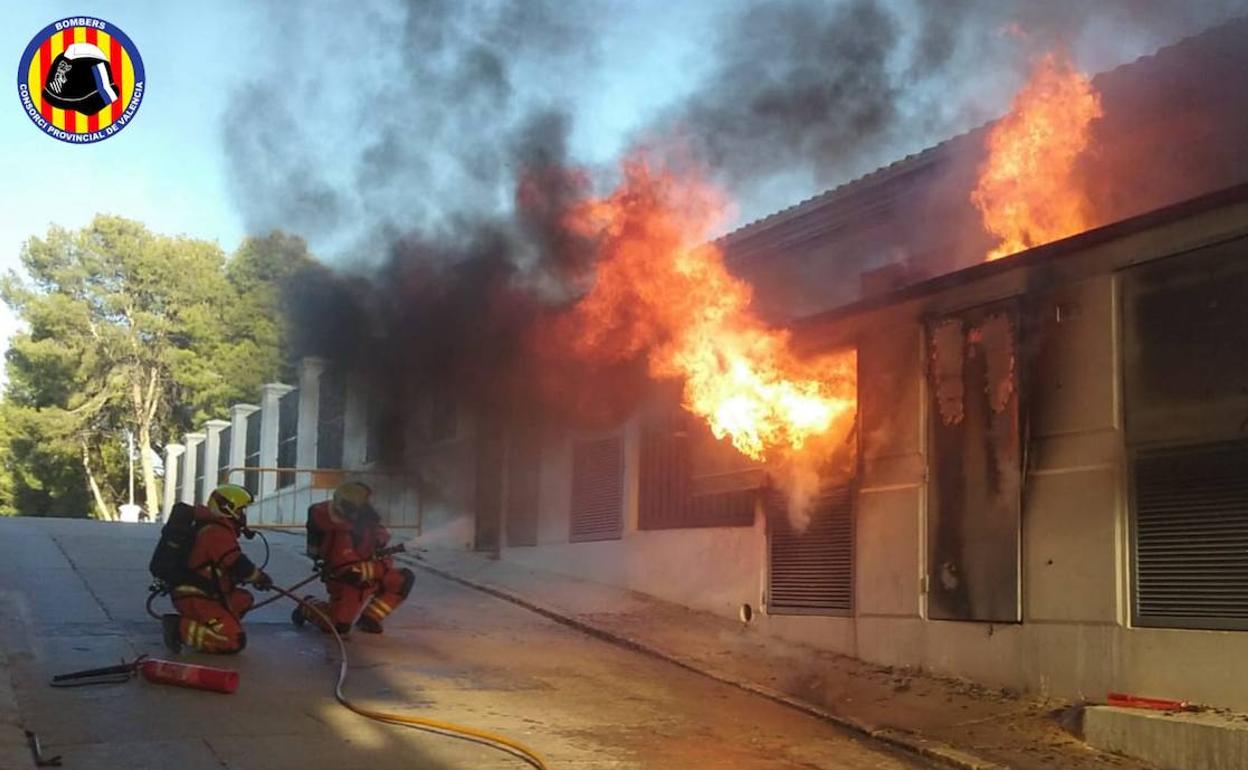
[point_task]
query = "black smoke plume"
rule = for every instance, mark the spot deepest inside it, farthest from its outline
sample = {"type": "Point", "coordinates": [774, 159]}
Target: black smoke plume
{"type": "Point", "coordinates": [423, 146]}
{"type": "Point", "coordinates": [810, 93]}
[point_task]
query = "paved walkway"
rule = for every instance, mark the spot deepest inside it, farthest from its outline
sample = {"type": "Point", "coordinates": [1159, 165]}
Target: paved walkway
{"type": "Point", "coordinates": [71, 596]}
{"type": "Point", "coordinates": [955, 722]}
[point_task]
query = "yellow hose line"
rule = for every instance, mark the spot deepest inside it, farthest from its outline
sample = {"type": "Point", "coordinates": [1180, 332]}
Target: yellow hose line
{"type": "Point", "coordinates": [494, 740]}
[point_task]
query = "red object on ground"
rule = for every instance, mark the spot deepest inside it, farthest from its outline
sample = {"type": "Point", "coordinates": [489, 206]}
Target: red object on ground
{"type": "Point", "coordinates": [189, 675]}
{"type": "Point", "coordinates": [1137, 702]}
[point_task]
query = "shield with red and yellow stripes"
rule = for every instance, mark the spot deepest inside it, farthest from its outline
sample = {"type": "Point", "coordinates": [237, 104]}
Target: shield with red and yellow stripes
{"type": "Point", "coordinates": [81, 79]}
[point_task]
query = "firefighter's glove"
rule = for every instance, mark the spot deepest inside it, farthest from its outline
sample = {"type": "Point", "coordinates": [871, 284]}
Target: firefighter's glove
{"type": "Point", "coordinates": [361, 575]}
{"type": "Point", "coordinates": [353, 576]}
{"type": "Point", "coordinates": [262, 581]}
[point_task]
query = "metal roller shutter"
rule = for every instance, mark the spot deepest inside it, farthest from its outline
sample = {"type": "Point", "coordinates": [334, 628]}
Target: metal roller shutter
{"type": "Point", "coordinates": [811, 572]}
{"type": "Point", "coordinates": [331, 410]}
{"type": "Point", "coordinates": [524, 465]}
{"type": "Point", "coordinates": [223, 451]}
{"type": "Point", "coordinates": [201, 452]}
{"type": "Point", "coordinates": [287, 436]}
{"type": "Point", "coordinates": [1191, 536]}
{"type": "Point", "coordinates": [251, 479]}
{"type": "Point", "coordinates": [597, 489]}
{"type": "Point", "coordinates": [671, 495]}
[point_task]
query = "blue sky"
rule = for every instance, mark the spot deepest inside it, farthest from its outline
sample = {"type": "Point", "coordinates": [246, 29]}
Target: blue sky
{"type": "Point", "coordinates": [167, 168]}
{"type": "Point", "coordinates": [164, 168]}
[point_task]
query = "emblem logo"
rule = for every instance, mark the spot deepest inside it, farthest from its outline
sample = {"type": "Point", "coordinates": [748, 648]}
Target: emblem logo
{"type": "Point", "coordinates": [80, 80]}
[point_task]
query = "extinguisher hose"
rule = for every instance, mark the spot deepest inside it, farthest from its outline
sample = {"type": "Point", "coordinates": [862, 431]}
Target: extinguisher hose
{"type": "Point", "coordinates": [151, 598]}
{"type": "Point", "coordinates": [493, 740]}
{"type": "Point", "coordinates": [93, 676]}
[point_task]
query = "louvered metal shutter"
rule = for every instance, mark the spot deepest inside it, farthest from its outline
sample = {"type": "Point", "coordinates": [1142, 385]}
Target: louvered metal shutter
{"type": "Point", "coordinates": [734, 508]}
{"type": "Point", "coordinates": [663, 494]}
{"type": "Point", "coordinates": [671, 496]}
{"type": "Point", "coordinates": [224, 440]}
{"type": "Point", "coordinates": [524, 465]}
{"type": "Point", "coordinates": [1191, 536]}
{"type": "Point", "coordinates": [251, 479]}
{"type": "Point", "coordinates": [287, 435]}
{"type": "Point", "coordinates": [597, 489]}
{"type": "Point", "coordinates": [331, 408]}
{"type": "Point", "coordinates": [201, 464]}
{"type": "Point", "coordinates": [812, 571]}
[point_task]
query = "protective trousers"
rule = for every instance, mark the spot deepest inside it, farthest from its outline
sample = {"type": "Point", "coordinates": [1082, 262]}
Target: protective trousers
{"type": "Point", "coordinates": [374, 600]}
{"type": "Point", "coordinates": [211, 625]}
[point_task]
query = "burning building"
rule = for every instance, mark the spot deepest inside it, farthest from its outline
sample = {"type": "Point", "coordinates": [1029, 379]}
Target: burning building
{"type": "Point", "coordinates": [1037, 472]}
{"type": "Point", "coordinates": [982, 412]}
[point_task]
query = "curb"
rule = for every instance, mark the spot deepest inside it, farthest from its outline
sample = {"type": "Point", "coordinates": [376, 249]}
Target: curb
{"type": "Point", "coordinates": [901, 739]}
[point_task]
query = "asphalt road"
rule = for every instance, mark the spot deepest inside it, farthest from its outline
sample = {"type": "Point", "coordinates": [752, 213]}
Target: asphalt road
{"type": "Point", "coordinates": [71, 597]}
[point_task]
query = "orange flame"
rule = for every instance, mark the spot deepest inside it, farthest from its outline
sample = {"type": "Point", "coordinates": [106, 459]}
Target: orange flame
{"type": "Point", "coordinates": [662, 290]}
{"type": "Point", "coordinates": [1027, 194]}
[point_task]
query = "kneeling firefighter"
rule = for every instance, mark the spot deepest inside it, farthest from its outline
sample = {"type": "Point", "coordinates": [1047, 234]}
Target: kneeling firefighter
{"type": "Point", "coordinates": [204, 582]}
{"type": "Point", "coordinates": [346, 536]}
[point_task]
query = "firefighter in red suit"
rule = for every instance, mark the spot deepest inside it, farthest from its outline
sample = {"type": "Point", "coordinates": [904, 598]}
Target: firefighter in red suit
{"type": "Point", "coordinates": [210, 604]}
{"type": "Point", "coordinates": [362, 589]}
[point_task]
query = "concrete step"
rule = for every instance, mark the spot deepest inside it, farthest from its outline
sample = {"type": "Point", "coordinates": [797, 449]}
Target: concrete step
{"type": "Point", "coordinates": [1201, 740]}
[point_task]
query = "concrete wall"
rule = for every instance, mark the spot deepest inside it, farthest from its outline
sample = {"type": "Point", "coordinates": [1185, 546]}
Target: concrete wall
{"type": "Point", "coordinates": [711, 568]}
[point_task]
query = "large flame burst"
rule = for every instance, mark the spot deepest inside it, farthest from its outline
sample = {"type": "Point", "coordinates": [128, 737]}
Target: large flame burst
{"type": "Point", "coordinates": [661, 290]}
{"type": "Point", "coordinates": [1027, 193]}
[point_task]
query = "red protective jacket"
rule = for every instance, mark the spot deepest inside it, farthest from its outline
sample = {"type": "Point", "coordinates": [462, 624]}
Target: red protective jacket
{"type": "Point", "coordinates": [216, 555]}
{"type": "Point", "coordinates": [349, 545]}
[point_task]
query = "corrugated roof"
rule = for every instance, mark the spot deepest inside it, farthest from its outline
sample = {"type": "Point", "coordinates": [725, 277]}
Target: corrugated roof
{"type": "Point", "coordinates": [1173, 129]}
{"type": "Point", "coordinates": [1133, 69]}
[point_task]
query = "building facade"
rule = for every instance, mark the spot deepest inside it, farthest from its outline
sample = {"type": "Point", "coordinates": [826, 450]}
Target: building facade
{"type": "Point", "coordinates": [1047, 486]}
{"type": "Point", "coordinates": [1047, 489]}
{"type": "Point", "coordinates": [1051, 491]}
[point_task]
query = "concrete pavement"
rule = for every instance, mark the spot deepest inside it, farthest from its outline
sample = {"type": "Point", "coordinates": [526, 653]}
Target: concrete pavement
{"type": "Point", "coordinates": [956, 722]}
{"type": "Point", "coordinates": [72, 592]}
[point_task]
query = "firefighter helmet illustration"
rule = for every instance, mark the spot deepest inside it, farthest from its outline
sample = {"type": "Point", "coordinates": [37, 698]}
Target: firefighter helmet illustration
{"type": "Point", "coordinates": [80, 79]}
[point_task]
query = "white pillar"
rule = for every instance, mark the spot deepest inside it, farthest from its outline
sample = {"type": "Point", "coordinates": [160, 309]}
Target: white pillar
{"type": "Point", "coordinates": [270, 396]}
{"type": "Point", "coordinates": [173, 454]}
{"type": "Point", "coordinates": [212, 455]}
{"type": "Point", "coordinates": [192, 442]}
{"type": "Point", "coordinates": [310, 370]}
{"type": "Point", "coordinates": [238, 441]}
{"type": "Point", "coordinates": [355, 425]}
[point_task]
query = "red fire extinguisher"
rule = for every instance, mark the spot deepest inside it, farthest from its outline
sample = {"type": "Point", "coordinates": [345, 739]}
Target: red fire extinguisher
{"type": "Point", "coordinates": [189, 675]}
{"type": "Point", "coordinates": [159, 671]}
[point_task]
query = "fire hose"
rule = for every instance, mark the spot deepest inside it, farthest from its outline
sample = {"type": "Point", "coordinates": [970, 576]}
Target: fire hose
{"type": "Point", "coordinates": [485, 737]}
{"type": "Point", "coordinates": [476, 735]}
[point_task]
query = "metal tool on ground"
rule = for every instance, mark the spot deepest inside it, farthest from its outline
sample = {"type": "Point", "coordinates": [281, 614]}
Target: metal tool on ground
{"type": "Point", "coordinates": [36, 751]}
{"type": "Point", "coordinates": [157, 671]}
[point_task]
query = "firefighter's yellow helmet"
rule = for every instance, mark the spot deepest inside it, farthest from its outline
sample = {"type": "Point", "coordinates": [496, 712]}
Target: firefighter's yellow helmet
{"type": "Point", "coordinates": [230, 500]}
{"type": "Point", "coordinates": [352, 498]}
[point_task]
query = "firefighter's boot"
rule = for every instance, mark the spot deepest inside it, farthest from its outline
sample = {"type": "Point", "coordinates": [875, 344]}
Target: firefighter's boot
{"type": "Point", "coordinates": [170, 627]}
{"type": "Point", "coordinates": [298, 616]}
{"type": "Point", "coordinates": [368, 625]}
